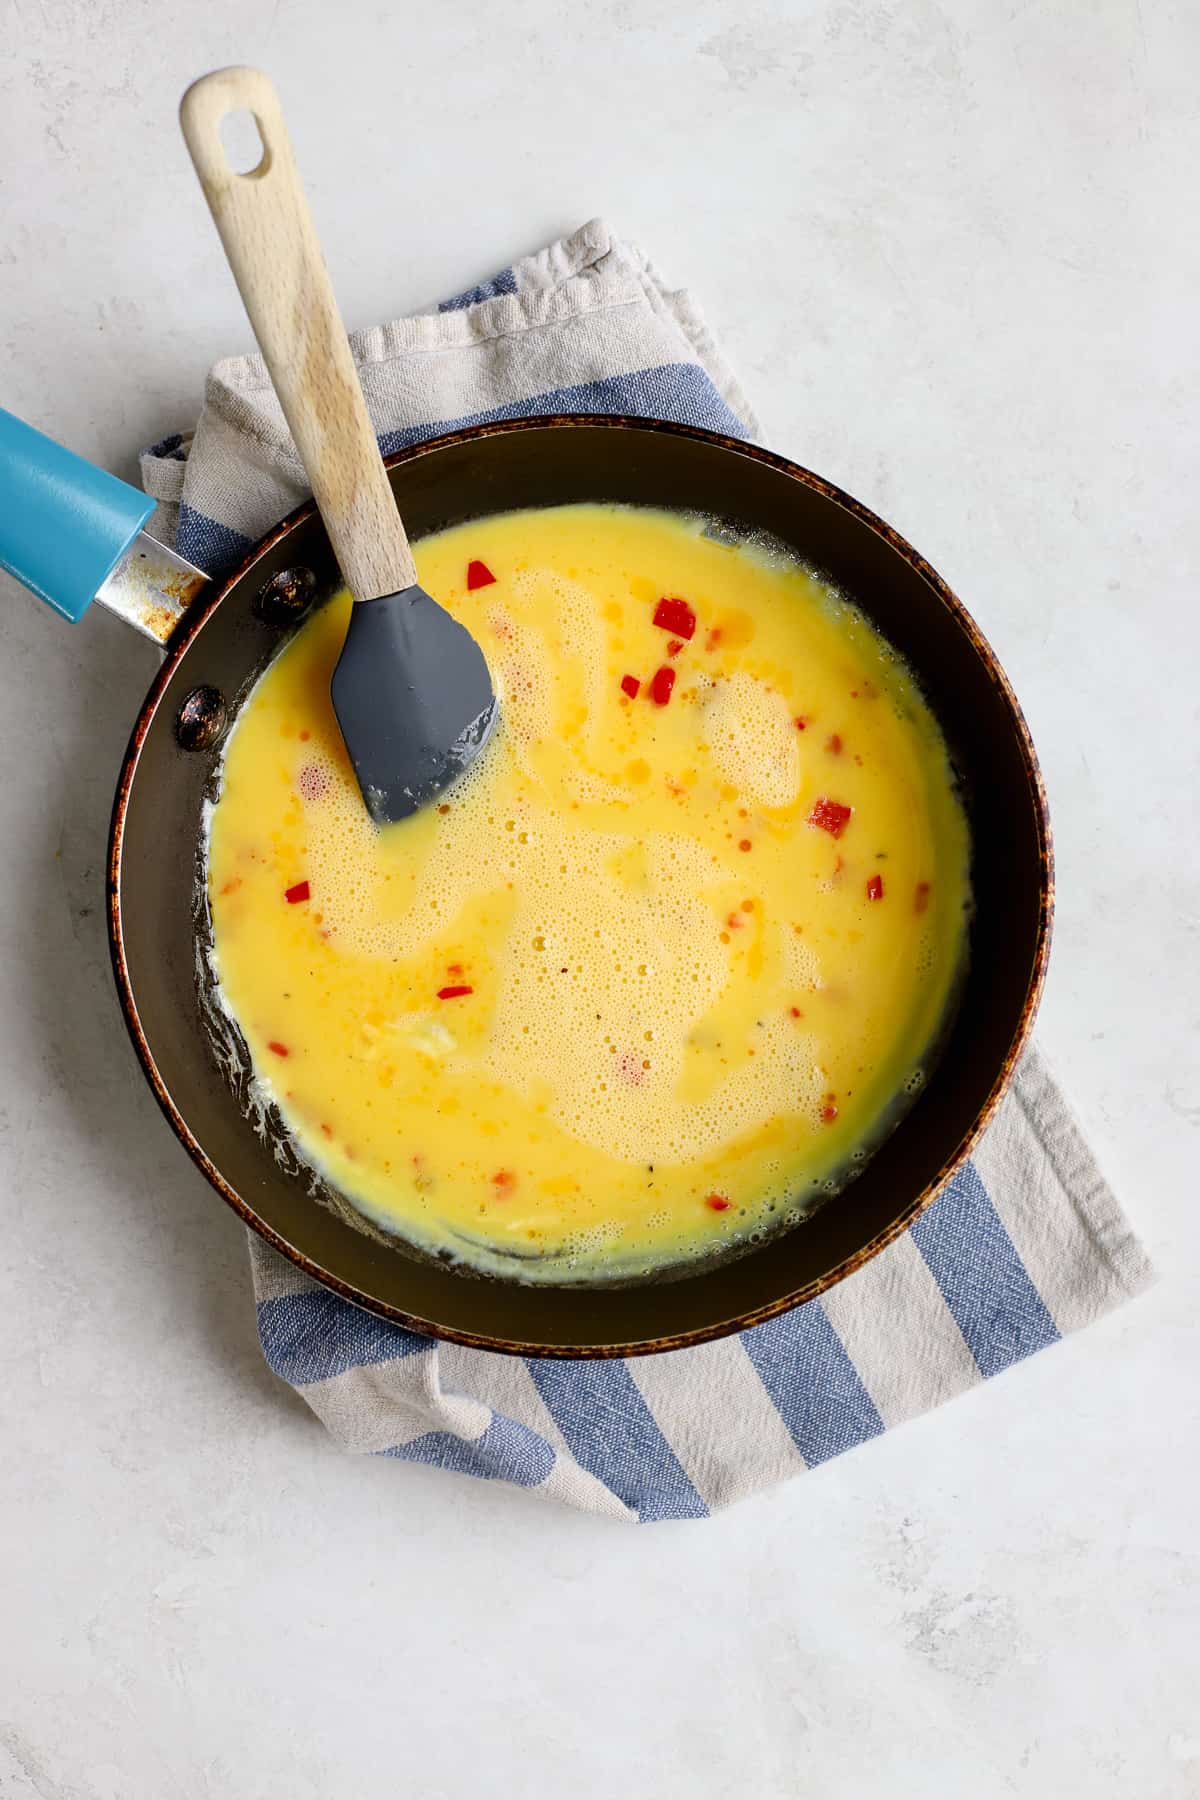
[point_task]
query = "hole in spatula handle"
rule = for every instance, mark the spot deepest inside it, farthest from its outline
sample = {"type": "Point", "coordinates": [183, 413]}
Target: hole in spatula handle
{"type": "Point", "coordinates": [242, 143]}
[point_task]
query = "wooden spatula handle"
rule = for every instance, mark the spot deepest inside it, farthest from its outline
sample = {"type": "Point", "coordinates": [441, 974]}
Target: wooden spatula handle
{"type": "Point", "coordinates": [271, 243]}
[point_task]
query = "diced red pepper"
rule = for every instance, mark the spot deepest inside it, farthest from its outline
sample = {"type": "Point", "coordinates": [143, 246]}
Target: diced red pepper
{"type": "Point", "coordinates": [504, 1181]}
{"type": "Point", "coordinates": [454, 993]}
{"type": "Point", "coordinates": [830, 816]}
{"type": "Point", "coordinates": [834, 745]}
{"type": "Point", "coordinates": [717, 1202]}
{"type": "Point", "coordinates": [744, 844]}
{"type": "Point", "coordinates": [875, 888]}
{"type": "Point", "coordinates": [660, 687]}
{"type": "Point", "coordinates": [800, 722]}
{"type": "Point", "coordinates": [921, 897]}
{"type": "Point", "coordinates": [676, 616]}
{"type": "Point", "coordinates": [795, 1012]}
{"type": "Point", "coordinates": [278, 1048]}
{"type": "Point", "coordinates": [478, 575]}
{"type": "Point", "coordinates": [675, 646]}
{"type": "Point", "coordinates": [630, 685]}
{"type": "Point", "coordinates": [829, 1111]}
{"type": "Point", "coordinates": [301, 891]}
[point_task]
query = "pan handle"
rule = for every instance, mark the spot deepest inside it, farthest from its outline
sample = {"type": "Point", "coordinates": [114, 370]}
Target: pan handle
{"type": "Point", "coordinates": [64, 524]}
{"type": "Point", "coordinates": [71, 534]}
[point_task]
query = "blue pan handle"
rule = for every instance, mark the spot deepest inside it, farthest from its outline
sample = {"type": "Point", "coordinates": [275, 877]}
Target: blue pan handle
{"type": "Point", "coordinates": [64, 524]}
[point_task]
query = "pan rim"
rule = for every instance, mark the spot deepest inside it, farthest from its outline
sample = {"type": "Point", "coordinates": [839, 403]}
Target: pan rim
{"type": "Point", "coordinates": [186, 633]}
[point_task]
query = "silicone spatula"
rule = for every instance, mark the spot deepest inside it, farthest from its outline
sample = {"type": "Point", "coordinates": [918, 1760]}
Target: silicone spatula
{"type": "Point", "coordinates": [411, 689]}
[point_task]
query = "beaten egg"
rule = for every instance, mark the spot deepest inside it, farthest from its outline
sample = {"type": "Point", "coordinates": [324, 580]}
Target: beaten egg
{"type": "Point", "coordinates": [657, 974]}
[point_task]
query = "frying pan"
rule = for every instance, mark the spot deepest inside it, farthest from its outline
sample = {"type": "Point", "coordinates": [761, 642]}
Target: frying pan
{"type": "Point", "coordinates": [156, 905]}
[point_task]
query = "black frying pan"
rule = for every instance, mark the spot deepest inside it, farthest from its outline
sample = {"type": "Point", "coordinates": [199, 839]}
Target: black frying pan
{"type": "Point", "coordinates": [233, 629]}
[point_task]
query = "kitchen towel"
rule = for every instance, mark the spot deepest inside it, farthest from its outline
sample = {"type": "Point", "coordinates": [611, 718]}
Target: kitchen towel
{"type": "Point", "coordinates": [1026, 1242]}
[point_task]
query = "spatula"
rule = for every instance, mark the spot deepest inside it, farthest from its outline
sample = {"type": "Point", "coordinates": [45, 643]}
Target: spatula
{"type": "Point", "coordinates": [411, 690]}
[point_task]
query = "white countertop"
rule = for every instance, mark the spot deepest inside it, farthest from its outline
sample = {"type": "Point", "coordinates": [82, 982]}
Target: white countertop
{"type": "Point", "coordinates": [951, 253]}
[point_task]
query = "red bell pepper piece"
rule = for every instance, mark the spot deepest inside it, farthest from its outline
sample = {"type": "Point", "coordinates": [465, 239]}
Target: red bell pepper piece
{"type": "Point", "coordinates": [676, 616]}
{"type": "Point", "coordinates": [830, 816]}
{"type": "Point", "coordinates": [661, 685]}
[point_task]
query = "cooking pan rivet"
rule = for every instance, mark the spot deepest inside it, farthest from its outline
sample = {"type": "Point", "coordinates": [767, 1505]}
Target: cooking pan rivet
{"type": "Point", "coordinates": [201, 718]}
{"type": "Point", "coordinates": [286, 597]}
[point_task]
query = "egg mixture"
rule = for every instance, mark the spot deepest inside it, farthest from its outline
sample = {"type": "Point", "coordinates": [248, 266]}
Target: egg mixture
{"type": "Point", "coordinates": [662, 968]}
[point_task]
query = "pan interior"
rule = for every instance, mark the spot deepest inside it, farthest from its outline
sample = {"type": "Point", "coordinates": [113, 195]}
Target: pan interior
{"type": "Point", "coordinates": [499, 470]}
{"type": "Point", "coordinates": [737, 1021]}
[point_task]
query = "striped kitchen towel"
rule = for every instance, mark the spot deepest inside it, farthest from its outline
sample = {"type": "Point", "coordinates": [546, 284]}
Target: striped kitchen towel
{"type": "Point", "coordinates": [1024, 1244]}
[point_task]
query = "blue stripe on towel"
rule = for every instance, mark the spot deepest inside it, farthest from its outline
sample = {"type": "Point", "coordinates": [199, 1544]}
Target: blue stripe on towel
{"type": "Point", "coordinates": [506, 1452]}
{"type": "Point", "coordinates": [503, 283]}
{"type": "Point", "coordinates": [983, 1281]}
{"type": "Point", "coordinates": [802, 1363]}
{"type": "Point", "coordinates": [611, 1432]}
{"type": "Point", "coordinates": [207, 543]}
{"type": "Point", "coordinates": [678, 391]}
{"type": "Point", "coordinates": [170, 449]}
{"type": "Point", "coordinates": [311, 1337]}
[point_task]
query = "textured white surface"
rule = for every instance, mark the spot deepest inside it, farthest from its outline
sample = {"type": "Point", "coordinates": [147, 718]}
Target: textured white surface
{"type": "Point", "coordinates": [951, 251]}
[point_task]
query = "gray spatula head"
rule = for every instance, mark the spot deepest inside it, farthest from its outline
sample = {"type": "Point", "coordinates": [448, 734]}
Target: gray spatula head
{"type": "Point", "coordinates": [414, 699]}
